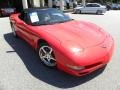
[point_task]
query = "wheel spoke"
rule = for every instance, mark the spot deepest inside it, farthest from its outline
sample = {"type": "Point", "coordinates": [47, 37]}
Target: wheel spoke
{"type": "Point", "coordinates": [47, 56]}
{"type": "Point", "coordinates": [48, 59]}
{"type": "Point", "coordinates": [52, 58]}
{"type": "Point", "coordinates": [50, 52]}
{"type": "Point", "coordinates": [43, 50]}
{"type": "Point", "coordinates": [43, 57]}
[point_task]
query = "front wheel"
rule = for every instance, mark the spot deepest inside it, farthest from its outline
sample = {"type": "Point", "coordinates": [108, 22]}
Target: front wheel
{"type": "Point", "coordinates": [46, 55]}
{"type": "Point", "coordinates": [77, 11]}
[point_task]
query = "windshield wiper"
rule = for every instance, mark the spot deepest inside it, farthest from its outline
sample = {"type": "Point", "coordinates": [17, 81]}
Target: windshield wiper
{"type": "Point", "coordinates": [51, 23]}
{"type": "Point", "coordinates": [65, 21]}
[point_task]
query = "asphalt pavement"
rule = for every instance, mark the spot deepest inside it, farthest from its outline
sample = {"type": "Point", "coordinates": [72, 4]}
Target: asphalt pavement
{"type": "Point", "coordinates": [21, 69]}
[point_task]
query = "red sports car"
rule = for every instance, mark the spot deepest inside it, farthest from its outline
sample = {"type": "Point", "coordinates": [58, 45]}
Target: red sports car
{"type": "Point", "coordinates": [76, 47]}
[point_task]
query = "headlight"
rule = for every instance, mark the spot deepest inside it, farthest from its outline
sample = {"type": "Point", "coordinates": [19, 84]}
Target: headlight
{"type": "Point", "coordinates": [75, 67]}
{"type": "Point", "coordinates": [76, 50]}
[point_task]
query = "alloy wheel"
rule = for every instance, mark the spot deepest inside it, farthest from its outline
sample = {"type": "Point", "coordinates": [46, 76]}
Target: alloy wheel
{"type": "Point", "coordinates": [47, 56]}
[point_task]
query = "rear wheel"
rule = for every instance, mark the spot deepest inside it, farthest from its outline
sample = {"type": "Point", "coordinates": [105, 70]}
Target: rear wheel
{"type": "Point", "coordinates": [13, 30]}
{"type": "Point", "coordinates": [0, 15]}
{"type": "Point", "coordinates": [99, 12]}
{"type": "Point", "coordinates": [46, 55]}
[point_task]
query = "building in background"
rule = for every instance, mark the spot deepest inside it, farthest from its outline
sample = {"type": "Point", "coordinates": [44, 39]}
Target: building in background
{"type": "Point", "coordinates": [20, 4]}
{"type": "Point", "coordinates": [50, 3]}
{"type": "Point", "coordinates": [45, 3]}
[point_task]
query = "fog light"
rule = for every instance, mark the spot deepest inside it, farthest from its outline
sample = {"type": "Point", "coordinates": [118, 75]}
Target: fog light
{"type": "Point", "coordinates": [75, 67]}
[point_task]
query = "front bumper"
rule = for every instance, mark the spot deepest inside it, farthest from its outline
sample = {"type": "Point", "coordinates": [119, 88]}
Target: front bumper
{"type": "Point", "coordinates": [95, 64]}
{"type": "Point", "coordinates": [88, 69]}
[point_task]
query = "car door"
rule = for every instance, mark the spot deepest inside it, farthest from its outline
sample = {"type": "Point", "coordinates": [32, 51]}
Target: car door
{"type": "Point", "coordinates": [25, 29]}
{"type": "Point", "coordinates": [88, 8]}
{"type": "Point", "coordinates": [96, 7]}
{"type": "Point", "coordinates": [91, 8]}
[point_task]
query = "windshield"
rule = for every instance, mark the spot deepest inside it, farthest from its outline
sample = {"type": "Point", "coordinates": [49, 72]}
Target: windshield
{"type": "Point", "coordinates": [46, 17]}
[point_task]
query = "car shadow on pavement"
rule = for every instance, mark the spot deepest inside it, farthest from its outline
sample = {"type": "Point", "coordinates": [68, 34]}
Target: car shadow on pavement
{"type": "Point", "coordinates": [32, 62]}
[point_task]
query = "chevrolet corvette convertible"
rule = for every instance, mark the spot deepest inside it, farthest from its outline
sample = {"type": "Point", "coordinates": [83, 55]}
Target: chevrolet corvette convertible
{"type": "Point", "coordinates": [75, 47]}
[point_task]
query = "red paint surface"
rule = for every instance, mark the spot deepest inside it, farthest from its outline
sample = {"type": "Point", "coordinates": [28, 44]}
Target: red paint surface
{"type": "Point", "coordinates": [76, 43]}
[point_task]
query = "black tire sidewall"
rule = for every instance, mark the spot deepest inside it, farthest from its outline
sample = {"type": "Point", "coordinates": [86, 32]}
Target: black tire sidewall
{"type": "Point", "coordinates": [78, 11]}
{"type": "Point", "coordinates": [99, 12]}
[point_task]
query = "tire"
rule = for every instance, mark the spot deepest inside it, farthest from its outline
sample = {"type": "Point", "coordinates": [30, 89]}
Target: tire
{"type": "Point", "coordinates": [13, 30]}
{"type": "Point", "coordinates": [46, 54]}
{"type": "Point", "coordinates": [80, 12]}
{"type": "Point", "coordinates": [0, 15]}
{"type": "Point", "coordinates": [99, 12]}
{"type": "Point", "coordinates": [77, 11]}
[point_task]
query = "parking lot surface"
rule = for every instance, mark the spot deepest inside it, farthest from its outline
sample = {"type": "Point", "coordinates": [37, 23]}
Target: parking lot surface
{"type": "Point", "coordinates": [21, 69]}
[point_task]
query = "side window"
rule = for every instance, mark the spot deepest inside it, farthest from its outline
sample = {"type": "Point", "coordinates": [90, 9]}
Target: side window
{"type": "Point", "coordinates": [21, 16]}
{"type": "Point", "coordinates": [88, 5]}
{"type": "Point", "coordinates": [95, 5]}
{"type": "Point", "coordinates": [24, 16]}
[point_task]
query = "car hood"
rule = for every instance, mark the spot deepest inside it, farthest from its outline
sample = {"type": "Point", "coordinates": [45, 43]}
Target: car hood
{"type": "Point", "coordinates": [76, 33]}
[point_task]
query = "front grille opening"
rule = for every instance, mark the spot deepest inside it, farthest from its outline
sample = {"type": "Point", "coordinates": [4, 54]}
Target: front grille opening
{"type": "Point", "coordinates": [83, 73]}
{"type": "Point", "coordinates": [92, 65]}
